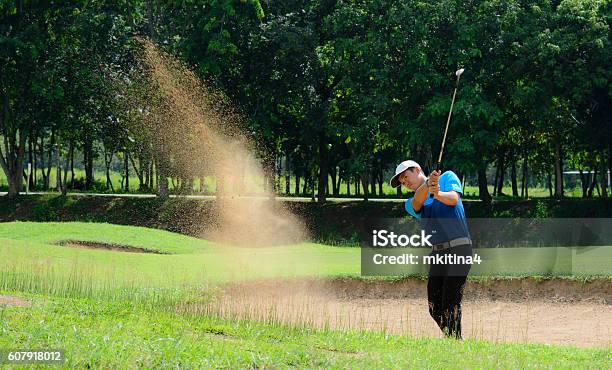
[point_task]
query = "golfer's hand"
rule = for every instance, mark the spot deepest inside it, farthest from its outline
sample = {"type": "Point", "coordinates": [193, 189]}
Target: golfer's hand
{"type": "Point", "coordinates": [433, 184]}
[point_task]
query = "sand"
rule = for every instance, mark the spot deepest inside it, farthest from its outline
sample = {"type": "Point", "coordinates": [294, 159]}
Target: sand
{"type": "Point", "coordinates": [8, 300]}
{"type": "Point", "coordinates": [579, 318]}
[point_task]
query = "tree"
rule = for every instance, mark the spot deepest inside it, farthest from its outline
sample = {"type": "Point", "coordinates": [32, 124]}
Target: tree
{"type": "Point", "coordinates": [24, 43]}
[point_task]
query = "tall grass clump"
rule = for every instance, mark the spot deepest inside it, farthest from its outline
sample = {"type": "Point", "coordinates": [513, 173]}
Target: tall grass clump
{"type": "Point", "coordinates": [82, 283]}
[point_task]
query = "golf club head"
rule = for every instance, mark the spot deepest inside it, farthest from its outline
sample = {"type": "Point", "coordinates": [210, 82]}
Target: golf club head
{"type": "Point", "coordinates": [459, 72]}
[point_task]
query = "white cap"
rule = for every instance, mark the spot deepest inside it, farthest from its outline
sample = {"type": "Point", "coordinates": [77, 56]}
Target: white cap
{"type": "Point", "coordinates": [394, 182]}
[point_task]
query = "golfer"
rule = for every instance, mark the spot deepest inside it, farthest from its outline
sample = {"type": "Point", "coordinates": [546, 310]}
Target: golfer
{"type": "Point", "coordinates": [441, 216]}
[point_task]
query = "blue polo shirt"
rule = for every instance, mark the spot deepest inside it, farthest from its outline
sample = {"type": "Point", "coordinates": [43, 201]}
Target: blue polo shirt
{"type": "Point", "coordinates": [443, 222]}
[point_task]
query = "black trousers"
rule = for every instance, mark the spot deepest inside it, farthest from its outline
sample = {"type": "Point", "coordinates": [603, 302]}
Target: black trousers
{"type": "Point", "coordinates": [445, 290]}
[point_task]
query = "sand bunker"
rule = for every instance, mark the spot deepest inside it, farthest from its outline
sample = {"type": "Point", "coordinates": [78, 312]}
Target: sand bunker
{"type": "Point", "coordinates": [106, 246]}
{"type": "Point", "coordinates": [8, 300]}
{"type": "Point", "coordinates": [500, 311]}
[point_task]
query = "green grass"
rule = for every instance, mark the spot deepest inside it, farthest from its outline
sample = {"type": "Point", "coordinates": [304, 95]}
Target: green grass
{"type": "Point", "coordinates": [32, 257]}
{"type": "Point", "coordinates": [121, 310]}
{"type": "Point", "coordinates": [30, 247]}
{"type": "Point", "coordinates": [52, 232]}
{"type": "Point", "coordinates": [115, 335]}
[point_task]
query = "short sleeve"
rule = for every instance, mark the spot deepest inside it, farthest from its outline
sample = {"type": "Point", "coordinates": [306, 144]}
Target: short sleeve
{"type": "Point", "coordinates": [410, 210]}
{"type": "Point", "coordinates": [449, 181]}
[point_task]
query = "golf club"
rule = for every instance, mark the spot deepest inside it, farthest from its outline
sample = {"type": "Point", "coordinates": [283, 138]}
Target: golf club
{"type": "Point", "coordinates": [437, 164]}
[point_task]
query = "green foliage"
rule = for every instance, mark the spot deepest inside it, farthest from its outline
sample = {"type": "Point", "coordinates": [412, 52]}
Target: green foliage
{"type": "Point", "coordinates": [345, 87]}
{"type": "Point", "coordinates": [49, 210]}
{"type": "Point", "coordinates": [43, 212]}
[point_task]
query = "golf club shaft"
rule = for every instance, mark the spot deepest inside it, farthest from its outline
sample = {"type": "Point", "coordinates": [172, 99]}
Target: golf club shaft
{"type": "Point", "coordinates": [437, 165]}
{"type": "Point", "coordinates": [447, 124]}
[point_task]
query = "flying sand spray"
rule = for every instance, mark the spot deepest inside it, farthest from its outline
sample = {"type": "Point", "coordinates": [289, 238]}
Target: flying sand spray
{"type": "Point", "coordinates": [187, 127]}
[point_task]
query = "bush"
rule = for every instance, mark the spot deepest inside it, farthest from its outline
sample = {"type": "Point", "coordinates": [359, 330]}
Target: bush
{"type": "Point", "coordinates": [44, 212]}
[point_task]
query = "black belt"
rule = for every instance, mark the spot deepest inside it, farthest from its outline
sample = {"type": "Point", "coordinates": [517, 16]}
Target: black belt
{"type": "Point", "coordinates": [452, 243]}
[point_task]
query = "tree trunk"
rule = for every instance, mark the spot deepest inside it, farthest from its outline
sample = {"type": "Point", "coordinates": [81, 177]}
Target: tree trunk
{"type": "Point", "coordinates": [14, 185]}
{"type": "Point", "coordinates": [593, 182]}
{"type": "Point", "coordinates": [162, 182]}
{"type": "Point", "coordinates": [27, 177]}
{"type": "Point", "coordinates": [332, 176]}
{"type": "Point", "coordinates": [59, 184]}
{"type": "Point", "coordinates": [149, 179]}
{"type": "Point", "coordinates": [297, 184]}
{"type": "Point", "coordinates": [364, 182]}
{"type": "Point", "coordinates": [348, 185]}
{"type": "Point", "coordinates": [372, 179]}
{"type": "Point", "coordinates": [335, 181]}
{"type": "Point", "coordinates": [126, 165]}
{"type": "Point", "coordinates": [41, 151]}
{"type": "Point", "coordinates": [270, 174]}
{"type": "Point", "coordinates": [323, 171]}
{"type": "Point", "coordinates": [187, 185]}
{"type": "Point", "coordinates": [11, 158]}
{"type": "Point", "coordinates": [202, 186]}
{"type": "Point", "coordinates": [108, 158]}
{"type": "Point", "coordinates": [65, 179]}
{"type": "Point", "coordinates": [138, 171]}
{"type": "Point", "coordinates": [523, 187]}
{"type": "Point", "coordinates": [50, 160]}
{"type": "Point", "coordinates": [496, 179]}
{"type": "Point", "coordinates": [526, 176]}
{"type": "Point", "coordinates": [287, 176]}
{"type": "Point", "coordinates": [550, 186]}
{"type": "Point", "coordinates": [584, 182]}
{"type": "Point", "coordinates": [173, 181]}
{"type": "Point", "coordinates": [483, 190]}
{"type": "Point", "coordinates": [380, 182]}
{"type": "Point", "coordinates": [88, 154]}
{"type": "Point", "coordinates": [609, 167]}
{"type": "Point", "coordinates": [278, 178]}
{"type": "Point", "coordinates": [306, 180]}
{"type": "Point", "coordinates": [143, 169]}
{"type": "Point", "coordinates": [152, 174]}
{"type": "Point", "coordinates": [312, 187]}
{"type": "Point", "coordinates": [65, 168]}
{"type": "Point", "coordinates": [513, 178]}
{"type": "Point", "coordinates": [558, 171]}
{"type": "Point", "coordinates": [152, 18]}
{"type": "Point", "coordinates": [72, 164]}
{"type": "Point", "coordinates": [604, 176]}
{"type": "Point", "coordinates": [501, 164]}
{"type": "Point", "coordinates": [35, 165]}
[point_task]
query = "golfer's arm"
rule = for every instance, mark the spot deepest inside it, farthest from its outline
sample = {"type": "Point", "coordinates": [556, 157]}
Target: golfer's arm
{"type": "Point", "coordinates": [450, 198]}
{"type": "Point", "coordinates": [420, 195]}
